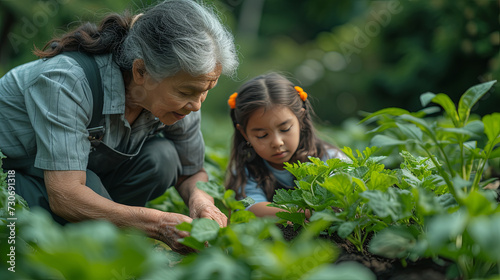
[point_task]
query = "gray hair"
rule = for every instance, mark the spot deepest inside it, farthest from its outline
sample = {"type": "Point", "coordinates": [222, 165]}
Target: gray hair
{"type": "Point", "coordinates": [179, 35]}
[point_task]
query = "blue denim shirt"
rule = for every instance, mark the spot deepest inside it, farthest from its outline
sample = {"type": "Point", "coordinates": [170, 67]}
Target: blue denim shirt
{"type": "Point", "coordinates": [46, 106]}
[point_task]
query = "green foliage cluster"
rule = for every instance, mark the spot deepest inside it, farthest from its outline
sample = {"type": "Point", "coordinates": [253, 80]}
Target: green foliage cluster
{"type": "Point", "coordinates": [432, 206]}
{"type": "Point", "coordinates": [249, 248]}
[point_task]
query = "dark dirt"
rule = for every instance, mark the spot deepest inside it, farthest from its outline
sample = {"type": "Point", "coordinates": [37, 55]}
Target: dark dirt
{"type": "Point", "coordinates": [383, 268]}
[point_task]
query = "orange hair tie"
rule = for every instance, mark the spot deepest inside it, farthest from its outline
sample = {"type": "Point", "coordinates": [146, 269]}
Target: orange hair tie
{"type": "Point", "coordinates": [302, 93]}
{"type": "Point", "coordinates": [232, 100]}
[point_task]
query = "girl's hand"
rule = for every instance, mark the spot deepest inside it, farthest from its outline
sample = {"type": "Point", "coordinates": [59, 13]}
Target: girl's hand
{"type": "Point", "coordinates": [308, 214]}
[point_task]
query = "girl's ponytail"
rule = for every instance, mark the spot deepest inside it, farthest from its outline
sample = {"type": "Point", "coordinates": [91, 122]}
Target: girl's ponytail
{"type": "Point", "coordinates": [107, 38]}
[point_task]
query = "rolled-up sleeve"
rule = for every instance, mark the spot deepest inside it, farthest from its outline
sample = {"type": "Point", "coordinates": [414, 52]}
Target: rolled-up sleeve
{"type": "Point", "coordinates": [59, 110]}
{"type": "Point", "coordinates": [188, 140]}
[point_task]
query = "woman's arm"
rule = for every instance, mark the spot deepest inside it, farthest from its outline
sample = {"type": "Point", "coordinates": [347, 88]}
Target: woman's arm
{"type": "Point", "coordinates": [71, 199]}
{"type": "Point", "coordinates": [201, 205]}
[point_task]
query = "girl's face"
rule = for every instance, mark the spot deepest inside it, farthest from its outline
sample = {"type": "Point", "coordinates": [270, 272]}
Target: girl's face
{"type": "Point", "coordinates": [174, 97]}
{"type": "Point", "coordinates": [274, 134]}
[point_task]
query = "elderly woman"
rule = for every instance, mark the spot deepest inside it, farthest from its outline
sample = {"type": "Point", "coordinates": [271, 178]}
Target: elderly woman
{"type": "Point", "coordinates": [97, 140]}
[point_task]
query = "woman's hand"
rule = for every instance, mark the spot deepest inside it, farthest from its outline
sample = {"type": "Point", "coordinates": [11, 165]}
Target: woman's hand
{"type": "Point", "coordinates": [168, 233]}
{"type": "Point", "coordinates": [71, 199]}
{"type": "Point", "coordinates": [201, 205]}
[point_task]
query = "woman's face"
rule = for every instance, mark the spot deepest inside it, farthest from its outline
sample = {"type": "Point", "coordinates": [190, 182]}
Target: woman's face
{"type": "Point", "coordinates": [274, 134]}
{"type": "Point", "coordinates": [174, 97]}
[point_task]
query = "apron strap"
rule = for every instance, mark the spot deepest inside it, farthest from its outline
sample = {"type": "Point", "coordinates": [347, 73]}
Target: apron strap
{"type": "Point", "coordinates": [95, 128]}
{"type": "Point", "coordinates": [89, 65]}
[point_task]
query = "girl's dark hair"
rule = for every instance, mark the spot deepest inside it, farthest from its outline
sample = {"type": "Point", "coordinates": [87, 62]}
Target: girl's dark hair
{"type": "Point", "coordinates": [267, 91]}
{"type": "Point", "coordinates": [171, 36]}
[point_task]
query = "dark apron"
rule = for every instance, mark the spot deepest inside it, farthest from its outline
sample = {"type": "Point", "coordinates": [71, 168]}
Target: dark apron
{"type": "Point", "coordinates": [103, 159]}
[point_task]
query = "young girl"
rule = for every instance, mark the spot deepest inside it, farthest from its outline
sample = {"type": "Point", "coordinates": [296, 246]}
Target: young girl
{"type": "Point", "coordinates": [273, 125]}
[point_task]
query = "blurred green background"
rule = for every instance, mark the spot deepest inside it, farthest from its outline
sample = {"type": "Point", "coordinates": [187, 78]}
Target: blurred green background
{"type": "Point", "coordinates": [350, 56]}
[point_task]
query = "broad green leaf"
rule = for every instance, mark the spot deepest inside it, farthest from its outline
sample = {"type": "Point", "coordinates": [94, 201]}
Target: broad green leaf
{"type": "Point", "coordinates": [341, 271]}
{"type": "Point", "coordinates": [339, 184]}
{"type": "Point", "coordinates": [311, 200]}
{"type": "Point", "coordinates": [477, 204]}
{"type": "Point", "coordinates": [247, 201]}
{"type": "Point", "coordinates": [382, 128]}
{"type": "Point", "coordinates": [427, 202]}
{"type": "Point", "coordinates": [241, 216]}
{"type": "Point", "coordinates": [313, 229]}
{"type": "Point", "coordinates": [387, 111]}
{"type": "Point", "coordinates": [426, 98]}
{"type": "Point", "coordinates": [335, 163]}
{"type": "Point", "coordinates": [288, 261]}
{"type": "Point", "coordinates": [192, 242]}
{"type": "Point", "coordinates": [74, 252]}
{"type": "Point", "coordinates": [369, 151]}
{"type": "Point", "coordinates": [470, 97]}
{"type": "Point", "coordinates": [381, 181]}
{"type": "Point", "coordinates": [296, 218]}
{"type": "Point", "coordinates": [448, 105]}
{"type": "Point", "coordinates": [419, 122]}
{"type": "Point", "coordinates": [326, 215]}
{"type": "Point", "coordinates": [360, 172]}
{"type": "Point", "coordinates": [394, 243]}
{"type": "Point", "coordinates": [411, 179]}
{"type": "Point", "coordinates": [346, 228]}
{"type": "Point", "coordinates": [383, 140]}
{"type": "Point", "coordinates": [411, 131]}
{"type": "Point", "coordinates": [204, 229]}
{"type": "Point", "coordinates": [447, 200]}
{"type": "Point", "coordinates": [442, 230]}
{"type": "Point", "coordinates": [457, 131]}
{"type": "Point", "coordinates": [231, 202]}
{"type": "Point", "coordinates": [485, 231]}
{"type": "Point", "coordinates": [428, 111]}
{"type": "Point", "coordinates": [318, 162]}
{"type": "Point", "coordinates": [184, 226]}
{"type": "Point", "coordinates": [361, 184]}
{"type": "Point", "coordinates": [492, 128]}
{"type": "Point", "coordinates": [476, 126]}
{"type": "Point", "coordinates": [495, 153]}
{"type": "Point", "coordinates": [282, 196]}
{"type": "Point", "coordinates": [394, 203]}
{"type": "Point", "coordinates": [348, 152]}
{"type": "Point", "coordinates": [302, 184]}
{"type": "Point", "coordinates": [213, 263]}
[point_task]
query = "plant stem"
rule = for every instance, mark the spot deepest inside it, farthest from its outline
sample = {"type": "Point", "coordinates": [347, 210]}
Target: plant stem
{"type": "Point", "coordinates": [480, 169]}
{"type": "Point", "coordinates": [442, 172]}
{"type": "Point", "coordinates": [462, 158]}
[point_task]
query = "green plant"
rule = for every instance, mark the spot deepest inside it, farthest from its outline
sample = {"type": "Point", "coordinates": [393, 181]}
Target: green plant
{"type": "Point", "coordinates": [256, 250]}
{"type": "Point", "coordinates": [226, 201]}
{"type": "Point", "coordinates": [457, 148]}
{"type": "Point", "coordinates": [356, 197]}
{"type": "Point", "coordinates": [451, 143]}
